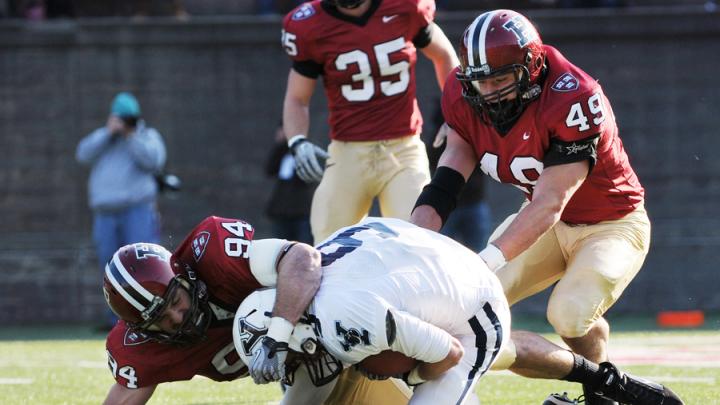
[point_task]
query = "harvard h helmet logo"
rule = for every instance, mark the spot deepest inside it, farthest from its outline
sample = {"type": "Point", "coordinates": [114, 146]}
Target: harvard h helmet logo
{"type": "Point", "coordinates": [523, 33]}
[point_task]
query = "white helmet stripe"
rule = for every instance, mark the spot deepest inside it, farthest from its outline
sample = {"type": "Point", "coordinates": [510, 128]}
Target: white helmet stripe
{"type": "Point", "coordinates": [128, 295]}
{"type": "Point", "coordinates": [471, 38]}
{"type": "Point", "coordinates": [121, 290]}
{"type": "Point", "coordinates": [476, 39]}
{"type": "Point", "coordinates": [483, 33]}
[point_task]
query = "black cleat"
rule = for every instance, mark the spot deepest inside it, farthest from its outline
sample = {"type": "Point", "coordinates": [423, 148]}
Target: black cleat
{"type": "Point", "coordinates": [593, 398]}
{"type": "Point", "coordinates": [561, 399]}
{"type": "Point", "coordinates": [631, 390]}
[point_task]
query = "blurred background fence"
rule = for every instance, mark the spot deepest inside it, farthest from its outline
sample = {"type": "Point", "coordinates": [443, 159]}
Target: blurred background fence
{"type": "Point", "coordinates": [213, 86]}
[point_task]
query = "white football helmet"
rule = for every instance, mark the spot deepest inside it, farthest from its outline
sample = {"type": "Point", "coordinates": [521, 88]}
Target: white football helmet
{"type": "Point", "coordinates": [250, 326]}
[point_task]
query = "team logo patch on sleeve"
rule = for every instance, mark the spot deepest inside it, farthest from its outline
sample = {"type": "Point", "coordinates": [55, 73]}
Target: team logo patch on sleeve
{"type": "Point", "coordinates": [304, 12]}
{"type": "Point", "coordinates": [199, 244]}
{"type": "Point", "coordinates": [565, 83]}
{"type": "Point", "coordinates": [133, 338]}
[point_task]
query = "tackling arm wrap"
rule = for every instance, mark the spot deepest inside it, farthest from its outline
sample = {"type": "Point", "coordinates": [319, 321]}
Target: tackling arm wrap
{"type": "Point", "coordinates": [265, 255]}
{"type": "Point", "coordinates": [418, 339]}
{"type": "Point", "coordinates": [443, 191]}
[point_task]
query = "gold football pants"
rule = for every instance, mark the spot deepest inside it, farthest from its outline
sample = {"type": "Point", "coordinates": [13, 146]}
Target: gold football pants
{"type": "Point", "coordinates": [394, 171]}
{"type": "Point", "coordinates": [353, 388]}
{"type": "Point", "coordinates": [592, 265]}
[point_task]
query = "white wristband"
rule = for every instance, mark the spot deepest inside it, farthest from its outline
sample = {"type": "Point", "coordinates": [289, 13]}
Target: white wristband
{"type": "Point", "coordinates": [280, 329]}
{"type": "Point", "coordinates": [295, 139]}
{"type": "Point", "coordinates": [413, 377]}
{"type": "Point", "coordinates": [493, 257]}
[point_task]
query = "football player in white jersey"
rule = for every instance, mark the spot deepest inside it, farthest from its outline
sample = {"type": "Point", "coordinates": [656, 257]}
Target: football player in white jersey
{"type": "Point", "coordinates": [390, 285]}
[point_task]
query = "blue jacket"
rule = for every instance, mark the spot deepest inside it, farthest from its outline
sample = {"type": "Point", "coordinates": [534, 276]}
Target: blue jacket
{"type": "Point", "coordinates": [123, 168]}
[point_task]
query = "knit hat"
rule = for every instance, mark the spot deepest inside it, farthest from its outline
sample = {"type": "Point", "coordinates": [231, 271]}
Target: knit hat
{"type": "Point", "coordinates": [125, 105]}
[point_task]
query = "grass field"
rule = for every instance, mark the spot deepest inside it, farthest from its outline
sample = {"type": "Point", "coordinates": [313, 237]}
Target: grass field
{"type": "Point", "coordinates": [68, 366]}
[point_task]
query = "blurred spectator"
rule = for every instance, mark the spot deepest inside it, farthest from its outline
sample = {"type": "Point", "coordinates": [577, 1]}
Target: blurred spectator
{"type": "Point", "coordinates": [289, 204]}
{"type": "Point", "coordinates": [124, 157]}
{"type": "Point", "coordinates": [470, 222]}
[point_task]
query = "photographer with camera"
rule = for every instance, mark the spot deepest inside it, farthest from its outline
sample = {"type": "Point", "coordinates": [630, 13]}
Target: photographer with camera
{"type": "Point", "coordinates": [125, 157]}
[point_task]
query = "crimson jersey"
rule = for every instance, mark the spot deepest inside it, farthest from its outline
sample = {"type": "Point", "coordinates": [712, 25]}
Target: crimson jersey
{"type": "Point", "coordinates": [570, 114]}
{"type": "Point", "coordinates": [217, 250]}
{"type": "Point", "coordinates": [367, 64]}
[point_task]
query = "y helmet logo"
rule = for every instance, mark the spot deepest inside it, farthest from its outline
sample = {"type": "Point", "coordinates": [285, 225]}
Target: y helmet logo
{"type": "Point", "coordinates": [250, 335]}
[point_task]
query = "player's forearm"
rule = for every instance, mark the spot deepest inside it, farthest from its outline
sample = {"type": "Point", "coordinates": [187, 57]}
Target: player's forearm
{"type": "Point", "coordinates": [529, 225]}
{"type": "Point", "coordinates": [296, 104]}
{"type": "Point", "coordinates": [442, 54]}
{"type": "Point", "coordinates": [296, 119]}
{"type": "Point", "coordinates": [119, 395]}
{"type": "Point", "coordinates": [299, 276]}
{"type": "Point", "coordinates": [425, 216]}
{"type": "Point", "coordinates": [553, 191]}
{"type": "Point", "coordinates": [431, 371]}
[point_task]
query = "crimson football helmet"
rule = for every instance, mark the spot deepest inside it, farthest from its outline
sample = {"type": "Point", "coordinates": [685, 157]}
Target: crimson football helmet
{"type": "Point", "coordinates": [139, 284]}
{"type": "Point", "coordinates": [495, 43]}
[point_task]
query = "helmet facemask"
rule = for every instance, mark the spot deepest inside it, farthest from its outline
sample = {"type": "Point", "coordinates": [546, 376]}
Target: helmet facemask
{"type": "Point", "coordinates": [250, 326]}
{"type": "Point", "coordinates": [501, 42]}
{"type": "Point", "coordinates": [305, 349]}
{"type": "Point", "coordinates": [196, 320]}
{"type": "Point", "coordinates": [497, 108]}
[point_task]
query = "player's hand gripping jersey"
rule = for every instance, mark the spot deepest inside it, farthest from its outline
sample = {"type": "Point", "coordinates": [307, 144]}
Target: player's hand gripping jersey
{"type": "Point", "coordinates": [570, 121]}
{"type": "Point", "coordinates": [367, 64]}
{"type": "Point", "coordinates": [391, 285]}
{"type": "Point", "coordinates": [218, 250]}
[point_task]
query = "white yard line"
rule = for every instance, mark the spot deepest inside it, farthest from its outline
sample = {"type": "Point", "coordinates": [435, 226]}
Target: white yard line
{"type": "Point", "coordinates": [16, 381]}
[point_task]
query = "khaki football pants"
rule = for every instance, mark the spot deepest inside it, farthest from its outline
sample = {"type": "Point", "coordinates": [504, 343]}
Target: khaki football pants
{"type": "Point", "coordinates": [353, 388]}
{"type": "Point", "coordinates": [592, 265]}
{"type": "Point", "coordinates": [393, 170]}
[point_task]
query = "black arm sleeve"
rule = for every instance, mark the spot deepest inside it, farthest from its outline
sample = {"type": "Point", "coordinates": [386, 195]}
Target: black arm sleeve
{"type": "Point", "coordinates": [423, 37]}
{"type": "Point", "coordinates": [308, 68]}
{"type": "Point", "coordinates": [562, 152]}
{"type": "Point", "coordinates": [442, 192]}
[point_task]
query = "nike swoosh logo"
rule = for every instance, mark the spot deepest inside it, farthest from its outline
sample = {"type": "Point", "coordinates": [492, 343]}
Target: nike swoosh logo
{"type": "Point", "coordinates": [526, 136]}
{"type": "Point", "coordinates": [388, 18]}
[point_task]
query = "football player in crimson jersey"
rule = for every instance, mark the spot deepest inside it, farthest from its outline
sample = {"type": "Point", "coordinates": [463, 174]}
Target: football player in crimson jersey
{"type": "Point", "coordinates": [365, 51]}
{"type": "Point", "coordinates": [534, 120]}
{"type": "Point", "coordinates": [177, 310]}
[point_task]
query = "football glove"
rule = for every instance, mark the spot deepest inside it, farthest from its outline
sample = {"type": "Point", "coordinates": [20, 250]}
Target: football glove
{"type": "Point", "coordinates": [441, 136]}
{"type": "Point", "coordinates": [309, 159]}
{"type": "Point", "coordinates": [268, 364]}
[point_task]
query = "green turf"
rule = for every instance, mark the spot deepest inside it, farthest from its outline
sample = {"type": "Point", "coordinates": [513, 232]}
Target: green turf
{"type": "Point", "coordinates": [74, 371]}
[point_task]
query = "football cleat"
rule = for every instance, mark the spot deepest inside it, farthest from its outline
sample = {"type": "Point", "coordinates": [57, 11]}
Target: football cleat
{"type": "Point", "coordinates": [561, 399]}
{"type": "Point", "coordinates": [628, 389]}
{"type": "Point", "coordinates": [592, 398]}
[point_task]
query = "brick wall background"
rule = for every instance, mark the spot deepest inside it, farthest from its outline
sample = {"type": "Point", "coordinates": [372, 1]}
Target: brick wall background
{"type": "Point", "coordinates": [213, 86]}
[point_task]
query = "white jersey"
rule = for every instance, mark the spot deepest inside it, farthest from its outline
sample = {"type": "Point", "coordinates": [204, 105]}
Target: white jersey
{"type": "Point", "coordinates": [388, 284]}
